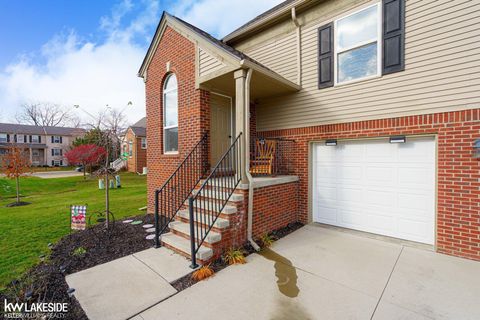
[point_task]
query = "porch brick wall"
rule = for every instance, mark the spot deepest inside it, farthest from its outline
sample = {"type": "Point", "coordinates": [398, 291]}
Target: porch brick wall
{"type": "Point", "coordinates": [274, 207]}
{"type": "Point", "coordinates": [193, 108]}
{"type": "Point", "coordinates": [458, 173]}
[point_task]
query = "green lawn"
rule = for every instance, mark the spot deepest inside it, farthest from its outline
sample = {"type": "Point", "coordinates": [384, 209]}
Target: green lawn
{"type": "Point", "coordinates": [26, 231]}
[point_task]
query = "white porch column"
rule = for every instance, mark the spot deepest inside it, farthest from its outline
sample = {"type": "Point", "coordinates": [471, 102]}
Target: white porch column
{"type": "Point", "coordinates": [240, 95]}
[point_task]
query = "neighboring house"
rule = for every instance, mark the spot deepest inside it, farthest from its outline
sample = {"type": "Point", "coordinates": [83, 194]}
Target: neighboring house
{"type": "Point", "coordinates": [381, 100]}
{"type": "Point", "coordinates": [134, 145]}
{"type": "Point", "coordinates": [46, 145]}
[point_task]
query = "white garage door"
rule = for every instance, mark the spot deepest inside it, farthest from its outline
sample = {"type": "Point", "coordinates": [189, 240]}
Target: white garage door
{"type": "Point", "coordinates": [376, 186]}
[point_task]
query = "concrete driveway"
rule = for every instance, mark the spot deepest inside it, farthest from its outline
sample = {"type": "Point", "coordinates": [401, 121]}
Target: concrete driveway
{"type": "Point", "coordinates": [320, 273]}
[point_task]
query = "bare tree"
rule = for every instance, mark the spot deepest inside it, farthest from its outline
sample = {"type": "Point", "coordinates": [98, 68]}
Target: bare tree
{"type": "Point", "coordinates": [47, 114]}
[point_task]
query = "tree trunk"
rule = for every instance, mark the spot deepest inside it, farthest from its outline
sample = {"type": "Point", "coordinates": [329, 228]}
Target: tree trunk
{"type": "Point", "coordinates": [84, 171]}
{"type": "Point", "coordinates": [17, 180]}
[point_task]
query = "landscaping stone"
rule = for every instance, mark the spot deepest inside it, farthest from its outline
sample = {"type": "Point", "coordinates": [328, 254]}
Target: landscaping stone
{"type": "Point", "coordinates": [147, 226]}
{"type": "Point", "coordinates": [150, 230]}
{"type": "Point", "coordinates": [136, 222]}
{"type": "Point", "coordinates": [150, 237]}
{"type": "Point", "coordinates": [127, 221]}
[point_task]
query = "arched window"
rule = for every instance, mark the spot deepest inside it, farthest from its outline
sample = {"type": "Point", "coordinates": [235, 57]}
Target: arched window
{"type": "Point", "coordinates": [170, 115]}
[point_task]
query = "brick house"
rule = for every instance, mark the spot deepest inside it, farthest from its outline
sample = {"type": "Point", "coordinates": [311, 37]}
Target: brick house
{"type": "Point", "coordinates": [357, 114]}
{"type": "Point", "coordinates": [134, 145]}
{"type": "Point", "coordinates": [45, 146]}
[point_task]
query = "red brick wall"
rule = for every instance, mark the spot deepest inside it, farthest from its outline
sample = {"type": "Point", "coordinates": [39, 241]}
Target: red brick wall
{"type": "Point", "coordinates": [274, 207]}
{"type": "Point", "coordinates": [458, 204]}
{"type": "Point", "coordinates": [138, 160]}
{"type": "Point", "coordinates": [193, 104]}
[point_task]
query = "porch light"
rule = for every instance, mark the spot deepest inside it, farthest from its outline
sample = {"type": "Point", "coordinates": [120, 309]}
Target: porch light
{"type": "Point", "coordinates": [398, 139]}
{"type": "Point", "coordinates": [331, 142]}
{"type": "Point", "coordinates": [476, 149]}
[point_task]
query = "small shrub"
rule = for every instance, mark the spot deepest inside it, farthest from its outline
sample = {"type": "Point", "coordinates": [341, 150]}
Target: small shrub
{"type": "Point", "coordinates": [203, 273]}
{"type": "Point", "coordinates": [267, 240]}
{"type": "Point", "coordinates": [234, 256]}
{"type": "Point", "coordinates": [80, 251]}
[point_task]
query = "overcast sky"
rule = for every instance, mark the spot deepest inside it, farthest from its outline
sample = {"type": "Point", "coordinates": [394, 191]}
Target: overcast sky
{"type": "Point", "coordinates": [89, 52]}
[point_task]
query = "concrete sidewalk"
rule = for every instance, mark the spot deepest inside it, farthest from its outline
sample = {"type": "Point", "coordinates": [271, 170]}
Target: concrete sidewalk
{"type": "Point", "coordinates": [319, 273]}
{"type": "Point", "coordinates": [124, 287]}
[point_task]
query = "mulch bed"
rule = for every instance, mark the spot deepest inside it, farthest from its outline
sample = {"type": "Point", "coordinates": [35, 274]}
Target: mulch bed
{"type": "Point", "coordinates": [46, 281]}
{"type": "Point", "coordinates": [219, 264]}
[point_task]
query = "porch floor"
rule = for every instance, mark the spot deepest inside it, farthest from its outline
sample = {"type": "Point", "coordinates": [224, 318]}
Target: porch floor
{"type": "Point", "coordinates": [266, 181]}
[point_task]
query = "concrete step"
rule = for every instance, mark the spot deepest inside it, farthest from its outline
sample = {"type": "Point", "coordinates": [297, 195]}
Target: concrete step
{"type": "Point", "coordinates": [219, 224]}
{"type": "Point", "coordinates": [183, 245]}
{"type": "Point", "coordinates": [221, 195]}
{"type": "Point", "coordinates": [212, 206]}
{"type": "Point", "coordinates": [184, 228]}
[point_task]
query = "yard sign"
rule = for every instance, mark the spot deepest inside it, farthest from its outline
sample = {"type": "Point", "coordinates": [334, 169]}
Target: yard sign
{"type": "Point", "coordinates": [78, 219]}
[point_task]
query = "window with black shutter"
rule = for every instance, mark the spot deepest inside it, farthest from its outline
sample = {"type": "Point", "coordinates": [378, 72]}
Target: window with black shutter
{"type": "Point", "coordinates": [359, 46]}
{"type": "Point", "coordinates": [393, 36]}
{"type": "Point", "coordinates": [325, 56]}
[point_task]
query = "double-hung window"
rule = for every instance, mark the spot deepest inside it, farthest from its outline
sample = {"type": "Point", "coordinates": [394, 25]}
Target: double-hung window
{"type": "Point", "coordinates": [56, 152]}
{"type": "Point", "coordinates": [170, 115]}
{"type": "Point", "coordinates": [3, 137]}
{"type": "Point", "coordinates": [35, 139]}
{"type": "Point", "coordinates": [56, 139]}
{"type": "Point", "coordinates": [358, 45]}
{"type": "Point", "coordinates": [144, 143]}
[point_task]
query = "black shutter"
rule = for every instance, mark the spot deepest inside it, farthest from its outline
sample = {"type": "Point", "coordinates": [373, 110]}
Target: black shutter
{"type": "Point", "coordinates": [24, 139]}
{"type": "Point", "coordinates": [51, 138]}
{"type": "Point", "coordinates": [61, 139]}
{"type": "Point", "coordinates": [39, 139]}
{"type": "Point", "coordinates": [52, 152]}
{"type": "Point", "coordinates": [61, 152]}
{"type": "Point", "coordinates": [393, 59]}
{"type": "Point", "coordinates": [30, 137]}
{"type": "Point", "coordinates": [8, 137]}
{"type": "Point", "coordinates": [325, 56]}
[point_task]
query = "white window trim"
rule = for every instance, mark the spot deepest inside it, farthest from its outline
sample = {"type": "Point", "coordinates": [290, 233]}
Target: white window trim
{"type": "Point", "coordinates": [143, 145]}
{"type": "Point", "coordinates": [163, 108]}
{"type": "Point", "coordinates": [4, 137]}
{"type": "Point", "coordinates": [59, 152]}
{"type": "Point", "coordinates": [379, 41]}
{"type": "Point", "coordinates": [55, 139]}
{"type": "Point", "coordinates": [38, 139]}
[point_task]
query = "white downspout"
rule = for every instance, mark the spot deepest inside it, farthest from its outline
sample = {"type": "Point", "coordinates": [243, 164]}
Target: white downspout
{"type": "Point", "coordinates": [247, 162]}
{"type": "Point", "coordinates": [299, 46]}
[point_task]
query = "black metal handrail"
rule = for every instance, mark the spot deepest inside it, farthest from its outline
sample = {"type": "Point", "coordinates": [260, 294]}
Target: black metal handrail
{"type": "Point", "coordinates": [170, 198]}
{"type": "Point", "coordinates": [206, 204]}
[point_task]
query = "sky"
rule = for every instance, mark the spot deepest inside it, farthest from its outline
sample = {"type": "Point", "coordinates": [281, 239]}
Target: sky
{"type": "Point", "coordinates": [88, 52]}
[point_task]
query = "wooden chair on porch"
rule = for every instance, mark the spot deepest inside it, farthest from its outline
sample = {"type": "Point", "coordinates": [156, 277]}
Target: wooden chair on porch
{"type": "Point", "coordinates": [264, 157]}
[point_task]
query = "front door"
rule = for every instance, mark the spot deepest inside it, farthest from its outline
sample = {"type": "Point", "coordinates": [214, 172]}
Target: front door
{"type": "Point", "coordinates": [221, 125]}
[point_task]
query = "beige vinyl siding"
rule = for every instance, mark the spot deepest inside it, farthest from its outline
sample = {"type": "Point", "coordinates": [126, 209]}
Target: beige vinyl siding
{"type": "Point", "coordinates": [208, 63]}
{"type": "Point", "coordinates": [442, 72]}
{"type": "Point", "coordinates": [279, 55]}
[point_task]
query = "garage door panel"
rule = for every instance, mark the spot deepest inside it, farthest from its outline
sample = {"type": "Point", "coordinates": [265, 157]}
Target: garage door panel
{"type": "Point", "coordinates": [379, 198]}
{"type": "Point", "coordinates": [380, 175]}
{"type": "Point", "coordinates": [347, 195]}
{"type": "Point", "coordinates": [350, 173]}
{"type": "Point", "coordinates": [326, 215]}
{"type": "Point", "coordinates": [377, 187]}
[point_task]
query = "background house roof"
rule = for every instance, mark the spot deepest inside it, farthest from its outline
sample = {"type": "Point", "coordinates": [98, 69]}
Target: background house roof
{"type": "Point", "coordinates": [40, 130]}
{"type": "Point", "coordinates": [139, 128]}
{"type": "Point", "coordinates": [141, 123]}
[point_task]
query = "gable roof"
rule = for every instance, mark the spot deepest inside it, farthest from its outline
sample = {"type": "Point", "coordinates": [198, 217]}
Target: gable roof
{"type": "Point", "coordinates": [40, 130]}
{"type": "Point", "coordinates": [141, 123]}
{"type": "Point", "coordinates": [139, 131]}
{"type": "Point", "coordinates": [230, 54]}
